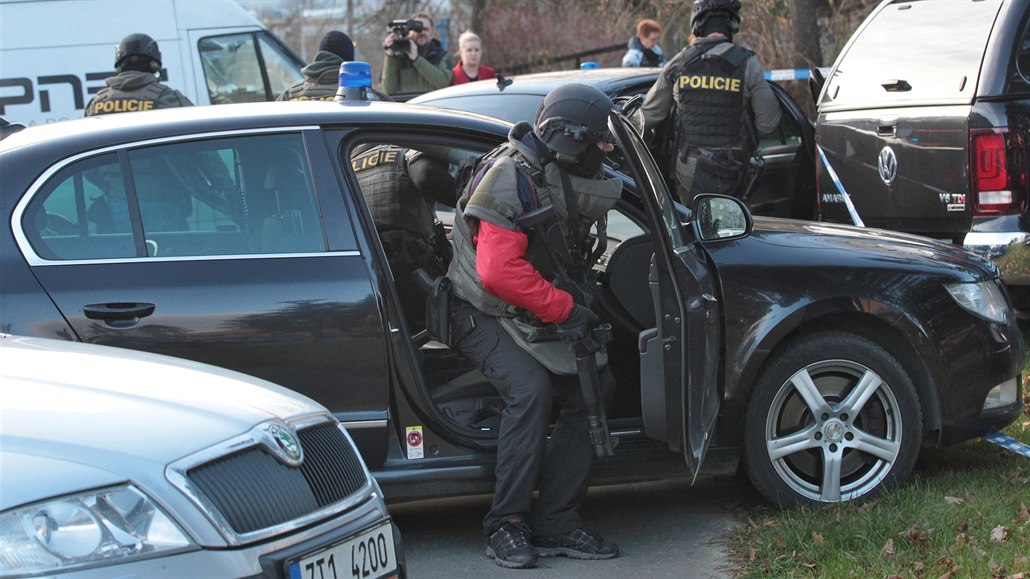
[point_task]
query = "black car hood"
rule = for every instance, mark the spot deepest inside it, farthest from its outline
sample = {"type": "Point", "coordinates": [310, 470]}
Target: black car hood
{"type": "Point", "coordinates": [830, 244]}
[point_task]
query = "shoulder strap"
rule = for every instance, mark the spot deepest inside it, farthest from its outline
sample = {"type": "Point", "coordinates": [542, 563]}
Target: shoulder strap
{"type": "Point", "coordinates": [736, 55]}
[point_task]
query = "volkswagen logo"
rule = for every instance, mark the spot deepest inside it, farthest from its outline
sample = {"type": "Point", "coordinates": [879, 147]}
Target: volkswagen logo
{"type": "Point", "coordinates": [284, 444]}
{"type": "Point", "coordinates": [887, 164]}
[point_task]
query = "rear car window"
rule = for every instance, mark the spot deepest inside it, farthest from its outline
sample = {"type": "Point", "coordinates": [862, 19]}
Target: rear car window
{"type": "Point", "coordinates": [510, 107]}
{"type": "Point", "coordinates": [915, 51]}
{"type": "Point", "coordinates": [218, 197]}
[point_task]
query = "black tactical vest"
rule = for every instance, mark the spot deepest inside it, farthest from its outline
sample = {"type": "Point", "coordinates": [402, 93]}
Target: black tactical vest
{"type": "Point", "coordinates": [147, 97]}
{"type": "Point", "coordinates": [710, 109]}
{"type": "Point", "coordinates": [399, 210]}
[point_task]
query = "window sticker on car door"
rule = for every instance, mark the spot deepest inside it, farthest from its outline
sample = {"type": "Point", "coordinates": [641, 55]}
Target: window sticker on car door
{"type": "Point", "coordinates": [413, 440]}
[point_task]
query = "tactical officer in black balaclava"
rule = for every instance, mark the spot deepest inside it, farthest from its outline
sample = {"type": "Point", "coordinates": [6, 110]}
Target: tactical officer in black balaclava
{"type": "Point", "coordinates": [136, 86]}
{"type": "Point", "coordinates": [721, 103]}
{"type": "Point", "coordinates": [504, 287]}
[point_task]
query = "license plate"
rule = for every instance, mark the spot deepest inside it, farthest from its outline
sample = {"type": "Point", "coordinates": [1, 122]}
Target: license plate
{"type": "Point", "coordinates": [365, 556]}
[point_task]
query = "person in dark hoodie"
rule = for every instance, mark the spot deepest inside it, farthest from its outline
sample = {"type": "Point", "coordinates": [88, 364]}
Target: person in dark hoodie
{"type": "Point", "coordinates": [322, 76]}
{"type": "Point", "coordinates": [136, 87]}
{"type": "Point", "coordinates": [643, 49]}
{"type": "Point", "coordinates": [423, 67]}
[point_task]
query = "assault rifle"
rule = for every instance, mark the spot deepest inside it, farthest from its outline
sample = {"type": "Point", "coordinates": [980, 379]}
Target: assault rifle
{"type": "Point", "coordinates": [544, 223]}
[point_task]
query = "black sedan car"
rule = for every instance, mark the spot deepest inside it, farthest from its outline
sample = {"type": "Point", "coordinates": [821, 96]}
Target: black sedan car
{"type": "Point", "coordinates": [785, 188]}
{"type": "Point", "coordinates": [821, 358]}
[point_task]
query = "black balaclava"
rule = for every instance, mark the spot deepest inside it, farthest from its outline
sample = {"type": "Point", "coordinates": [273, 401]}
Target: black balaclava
{"type": "Point", "coordinates": [588, 164]}
{"type": "Point", "coordinates": [138, 63]}
{"type": "Point", "coordinates": [717, 23]}
{"type": "Point", "coordinates": [339, 44]}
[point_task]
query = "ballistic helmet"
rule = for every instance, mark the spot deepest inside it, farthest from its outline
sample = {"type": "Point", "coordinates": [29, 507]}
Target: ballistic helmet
{"type": "Point", "coordinates": [571, 118]}
{"type": "Point", "coordinates": [137, 52]}
{"type": "Point", "coordinates": [705, 9]}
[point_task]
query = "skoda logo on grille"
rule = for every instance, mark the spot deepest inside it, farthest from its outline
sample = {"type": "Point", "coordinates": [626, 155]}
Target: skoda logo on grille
{"type": "Point", "coordinates": [887, 165]}
{"type": "Point", "coordinates": [284, 444]}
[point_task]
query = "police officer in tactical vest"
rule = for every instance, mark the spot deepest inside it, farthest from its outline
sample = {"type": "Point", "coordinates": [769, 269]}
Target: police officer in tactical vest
{"type": "Point", "coordinates": [136, 86]}
{"type": "Point", "coordinates": [721, 103]}
{"type": "Point", "coordinates": [400, 187]}
{"type": "Point", "coordinates": [322, 76]}
{"type": "Point", "coordinates": [505, 287]}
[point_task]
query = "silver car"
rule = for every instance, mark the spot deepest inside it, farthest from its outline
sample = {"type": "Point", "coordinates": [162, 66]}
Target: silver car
{"type": "Point", "coordinates": [120, 462]}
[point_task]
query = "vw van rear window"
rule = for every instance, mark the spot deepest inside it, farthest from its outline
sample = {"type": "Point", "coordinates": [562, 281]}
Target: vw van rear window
{"type": "Point", "coordinates": [915, 52]}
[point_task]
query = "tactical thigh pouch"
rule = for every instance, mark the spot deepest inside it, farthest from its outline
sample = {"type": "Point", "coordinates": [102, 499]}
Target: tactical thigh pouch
{"type": "Point", "coordinates": [438, 305]}
{"type": "Point", "coordinates": [556, 355]}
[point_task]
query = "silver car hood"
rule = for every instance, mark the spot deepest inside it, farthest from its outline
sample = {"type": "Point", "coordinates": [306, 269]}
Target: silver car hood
{"type": "Point", "coordinates": [99, 427]}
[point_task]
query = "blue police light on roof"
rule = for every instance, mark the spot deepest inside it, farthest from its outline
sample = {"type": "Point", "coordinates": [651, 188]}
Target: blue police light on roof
{"type": "Point", "coordinates": [589, 65]}
{"type": "Point", "coordinates": [355, 80]}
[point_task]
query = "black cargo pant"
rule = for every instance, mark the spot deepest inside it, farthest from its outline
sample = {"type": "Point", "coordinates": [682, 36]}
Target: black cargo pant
{"type": "Point", "coordinates": [526, 457]}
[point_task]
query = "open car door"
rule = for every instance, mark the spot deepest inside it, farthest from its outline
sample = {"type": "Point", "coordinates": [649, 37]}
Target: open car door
{"type": "Point", "coordinates": [679, 356]}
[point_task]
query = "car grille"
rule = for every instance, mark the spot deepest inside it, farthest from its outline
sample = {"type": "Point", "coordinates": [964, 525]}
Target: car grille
{"type": "Point", "coordinates": [253, 490]}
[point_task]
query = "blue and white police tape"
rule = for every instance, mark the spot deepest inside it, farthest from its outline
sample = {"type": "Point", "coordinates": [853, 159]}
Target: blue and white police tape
{"type": "Point", "coordinates": [840, 188]}
{"type": "Point", "coordinates": [787, 74]}
{"type": "Point", "coordinates": [1008, 443]}
{"type": "Point", "coordinates": [781, 74]}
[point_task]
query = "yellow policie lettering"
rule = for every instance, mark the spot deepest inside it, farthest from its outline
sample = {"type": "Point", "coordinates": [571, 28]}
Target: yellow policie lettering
{"type": "Point", "coordinates": [710, 83]}
{"type": "Point", "coordinates": [369, 161]}
{"type": "Point", "coordinates": [124, 106]}
{"type": "Point", "coordinates": [311, 98]}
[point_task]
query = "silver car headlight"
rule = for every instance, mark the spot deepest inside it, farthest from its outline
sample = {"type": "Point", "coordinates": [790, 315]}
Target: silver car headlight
{"type": "Point", "coordinates": [985, 299]}
{"type": "Point", "coordinates": [103, 527]}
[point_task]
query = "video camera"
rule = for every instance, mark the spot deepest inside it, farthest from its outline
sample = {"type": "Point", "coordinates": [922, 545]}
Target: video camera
{"type": "Point", "coordinates": [400, 29]}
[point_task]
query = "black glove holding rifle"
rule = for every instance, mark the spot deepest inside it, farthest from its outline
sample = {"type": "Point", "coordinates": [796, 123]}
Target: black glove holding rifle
{"type": "Point", "coordinates": [580, 327]}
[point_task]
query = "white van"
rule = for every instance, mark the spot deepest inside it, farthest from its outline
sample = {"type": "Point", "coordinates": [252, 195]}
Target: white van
{"type": "Point", "coordinates": [55, 54]}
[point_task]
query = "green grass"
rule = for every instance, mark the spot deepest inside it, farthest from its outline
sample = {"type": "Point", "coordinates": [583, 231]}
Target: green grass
{"type": "Point", "coordinates": [965, 512]}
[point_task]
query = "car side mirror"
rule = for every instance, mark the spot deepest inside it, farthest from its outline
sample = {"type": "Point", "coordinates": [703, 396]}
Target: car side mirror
{"type": "Point", "coordinates": [718, 217]}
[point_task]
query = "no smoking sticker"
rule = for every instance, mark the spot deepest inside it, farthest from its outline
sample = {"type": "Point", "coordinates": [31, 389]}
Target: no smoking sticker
{"type": "Point", "coordinates": [413, 439]}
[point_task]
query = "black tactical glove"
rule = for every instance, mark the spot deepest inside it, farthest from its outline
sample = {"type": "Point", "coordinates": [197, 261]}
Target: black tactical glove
{"type": "Point", "coordinates": [579, 323]}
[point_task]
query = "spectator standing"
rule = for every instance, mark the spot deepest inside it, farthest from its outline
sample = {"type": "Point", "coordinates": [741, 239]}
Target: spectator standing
{"type": "Point", "coordinates": [322, 76]}
{"type": "Point", "coordinates": [136, 86]}
{"type": "Point", "coordinates": [721, 102]}
{"type": "Point", "coordinates": [469, 68]}
{"type": "Point", "coordinates": [425, 66]}
{"type": "Point", "coordinates": [643, 48]}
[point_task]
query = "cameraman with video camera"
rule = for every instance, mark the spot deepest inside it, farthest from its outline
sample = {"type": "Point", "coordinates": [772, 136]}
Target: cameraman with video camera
{"type": "Point", "coordinates": [415, 61]}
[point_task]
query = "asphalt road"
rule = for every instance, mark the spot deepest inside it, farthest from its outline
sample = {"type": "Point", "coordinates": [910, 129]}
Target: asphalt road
{"type": "Point", "coordinates": [664, 529]}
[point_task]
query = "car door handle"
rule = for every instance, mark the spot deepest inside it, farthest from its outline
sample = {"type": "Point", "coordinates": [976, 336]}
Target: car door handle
{"type": "Point", "coordinates": [896, 85]}
{"type": "Point", "coordinates": [118, 311]}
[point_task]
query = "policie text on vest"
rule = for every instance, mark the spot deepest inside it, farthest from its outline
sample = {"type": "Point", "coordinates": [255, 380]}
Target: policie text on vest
{"type": "Point", "coordinates": [122, 106]}
{"type": "Point", "coordinates": [710, 83]}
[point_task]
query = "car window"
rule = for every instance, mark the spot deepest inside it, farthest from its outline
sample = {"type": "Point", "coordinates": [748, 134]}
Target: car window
{"type": "Point", "coordinates": [233, 68]}
{"type": "Point", "coordinates": [245, 195]}
{"type": "Point", "coordinates": [788, 132]}
{"type": "Point", "coordinates": [1021, 79]}
{"type": "Point", "coordinates": [915, 51]}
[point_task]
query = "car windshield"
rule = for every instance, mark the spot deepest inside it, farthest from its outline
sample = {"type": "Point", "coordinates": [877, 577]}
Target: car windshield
{"type": "Point", "coordinates": [510, 107]}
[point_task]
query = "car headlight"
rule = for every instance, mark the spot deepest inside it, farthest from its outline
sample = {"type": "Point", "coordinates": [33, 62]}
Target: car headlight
{"type": "Point", "coordinates": [985, 299]}
{"type": "Point", "coordinates": [103, 527]}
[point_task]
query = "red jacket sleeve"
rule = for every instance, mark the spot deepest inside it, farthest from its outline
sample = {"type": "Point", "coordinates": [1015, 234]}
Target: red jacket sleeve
{"type": "Point", "coordinates": [501, 264]}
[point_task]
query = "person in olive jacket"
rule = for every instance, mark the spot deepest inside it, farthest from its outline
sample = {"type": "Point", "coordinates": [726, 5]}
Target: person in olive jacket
{"type": "Point", "coordinates": [322, 76]}
{"type": "Point", "coordinates": [425, 66]}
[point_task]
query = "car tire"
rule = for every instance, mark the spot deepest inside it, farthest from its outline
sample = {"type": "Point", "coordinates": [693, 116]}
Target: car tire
{"type": "Point", "coordinates": [863, 436]}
